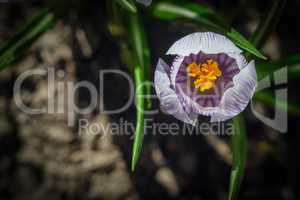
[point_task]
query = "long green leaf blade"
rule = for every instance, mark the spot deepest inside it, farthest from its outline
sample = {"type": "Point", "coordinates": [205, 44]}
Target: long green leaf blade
{"type": "Point", "coordinates": [203, 15]}
{"type": "Point", "coordinates": [25, 37]}
{"type": "Point", "coordinates": [141, 50]}
{"type": "Point", "coordinates": [239, 139]}
{"type": "Point", "coordinates": [292, 62]}
{"type": "Point", "coordinates": [141, 56]}
{"type": "Point", "coordinates": [127, 5]}
{"type": "Point", "coordinates": [268, 23]}
{"type": "Point", "coordinates": [242, 42]}
{"type": "Point", "coordinates": [239, 150]}
{"type": "Point", "coordinates": [207, 18]}
{"type": "Point", "coordinates": [138, 135]}
{"type": "Point", "coordinates": [137, 39]}
{"type": "Point", "coordinates": [268, 99]}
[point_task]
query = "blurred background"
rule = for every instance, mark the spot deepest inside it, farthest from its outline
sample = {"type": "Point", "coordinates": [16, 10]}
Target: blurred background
{"type": "Point", "coordinates": [41, 157]}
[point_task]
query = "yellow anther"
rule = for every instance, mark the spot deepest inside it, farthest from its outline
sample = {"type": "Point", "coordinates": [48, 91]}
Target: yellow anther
{"type": "Point", "coordinates": [193, 69]}
{"type": "Point", "coordinates": [204, 74]}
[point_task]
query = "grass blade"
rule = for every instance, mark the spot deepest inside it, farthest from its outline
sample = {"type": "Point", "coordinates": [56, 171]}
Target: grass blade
{"type": "Point", "coordinates": [195, 12]}
{"type": "Point", "coordinates": [268, 99]}
{"type": "Point", "coordinates": [242, 42]}
{"type": "Point", "coordinates": [239, 150]}
{"type": "Point", "coordinates": [25, 37]}
{"type": "Point", "coordinates": [239, 139]}
{"type": "Point", "coordinates": [268, 23]}
{"type": "Point", "coordinates": [138, 135]}
{"type": "Point", "coordinates": [127, 5]}
{"type": "Point", "coordinates": [141, 50]}
{"type": "Point", "coordinates": [292, 62]}
{"type": "Point", "coordinates": [141, 55]}
{"type": "Point", "coordinates": [139, 43]}
{"type": "Point", "coordinates": [207, 18]}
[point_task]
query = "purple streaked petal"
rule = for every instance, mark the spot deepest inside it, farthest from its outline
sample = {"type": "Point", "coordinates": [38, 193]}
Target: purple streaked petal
{"type": "Point", "coordinates": [239, 59]}
{"type": "Point", "coordinates": [169, 100]}
{"type": "Point", "coordinates": [174, 69]}
{"type": "Point", "coordinates": [210, 98]}
{"type": "Point", "coordinates": [236, 99]}
{"type": "Point", "coordinates": [191, 104]}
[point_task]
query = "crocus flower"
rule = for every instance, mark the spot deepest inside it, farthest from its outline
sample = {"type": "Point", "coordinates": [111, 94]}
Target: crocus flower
{"type": "Point", "coordinates": [208, 76]}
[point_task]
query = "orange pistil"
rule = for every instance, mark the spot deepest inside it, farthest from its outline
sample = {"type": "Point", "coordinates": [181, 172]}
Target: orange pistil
{"type": "Point", "coordinates": [204, 74]}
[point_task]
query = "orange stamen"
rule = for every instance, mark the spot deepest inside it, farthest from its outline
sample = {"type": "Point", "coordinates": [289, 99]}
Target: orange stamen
{"type": "Point", "coordinates": [204, 74]}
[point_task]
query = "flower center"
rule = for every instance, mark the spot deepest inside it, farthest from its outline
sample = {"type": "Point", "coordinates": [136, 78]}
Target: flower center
{"type": "Point", "coordinates": [204, 75]}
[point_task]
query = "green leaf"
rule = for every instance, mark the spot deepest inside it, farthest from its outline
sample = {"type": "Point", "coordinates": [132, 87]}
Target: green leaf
{"type": "Point", "coordinates": [141, 57]}
{"type": "Point", "coordinates": [242, 42]}
{"type": "Point", "coordinates": [128, 5]}
{"type": "Point", "coordinates": [137, 39]}
{"type": "Point", "coordinates": [268, 23]}
{"type": "Point", "coordinates": [239, 139]}
{"type": "Point", "coordinates": [294, 71]}
{"type": "Point", "coordinates": [25, 37]}
{"type": "Point", "coordinates": [268, 99]}
{"type": "Point", "coordinates": [207, 18]}
{"type": "Point", "coordinates": [195, 12]}
{"type": "Point", "coordinates": [292, 62]}
{"type": "Point", "coordinates": [139, 43]}
{"type": "Point", "coordinates": [239, 150]}
{"type": "Point", "coordinates": [138, 135]}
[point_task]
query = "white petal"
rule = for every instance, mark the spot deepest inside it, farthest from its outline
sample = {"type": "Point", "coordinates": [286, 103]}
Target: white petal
{"type": "Point", "coordinates": [174, 68]}
{"type": "Point", "coordinates": [191, 104]}
{"type": "Point", "coordinates": [207, 42]}
{"type": "Point", "coordinates": [168, 98]}
{"type": "Point", "coordinates": [236, 99]}
{"type": "Point", "coordinates": [239, 58]}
